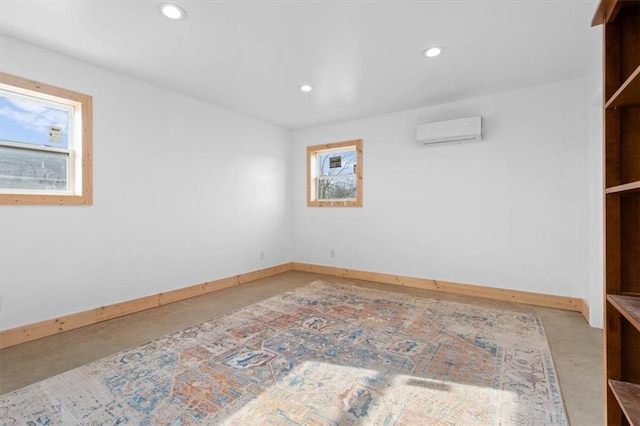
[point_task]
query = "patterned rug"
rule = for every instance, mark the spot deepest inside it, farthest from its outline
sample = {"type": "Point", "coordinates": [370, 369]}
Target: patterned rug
{"type": "Point", "coordinates": [324, 354]}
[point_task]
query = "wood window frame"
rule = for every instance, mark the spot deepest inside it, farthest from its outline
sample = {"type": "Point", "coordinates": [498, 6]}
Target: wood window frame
{"type": "Point", "coordinates": [312, 151]}
{"type": "Point", "coordinates": [85, 169]}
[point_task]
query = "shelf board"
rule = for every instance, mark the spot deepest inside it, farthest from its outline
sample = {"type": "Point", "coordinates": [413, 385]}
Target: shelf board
{"type": "Point", "coordinates": [628, 396]}
{"type": "Point", "coordinates": [606, 9]}
{"type": "Point", "coordinates": [629, 92]}
{"type": "Point", "coordinates": [624, 189]}
{"type": "Point", "coordinates": [628, 306]}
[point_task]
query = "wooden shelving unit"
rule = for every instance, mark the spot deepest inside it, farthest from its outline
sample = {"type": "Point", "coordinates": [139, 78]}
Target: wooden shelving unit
{"type": "Point", "coordinates": [626, 188]}
{"type": "Point", "coordinates": [628, 397]}
{"type": "Point", "coordinates": [621, 87]}
{"type": "Point", "coordinates": [628, 93]}
{"type": "Point", "coordinates": [628, 306]}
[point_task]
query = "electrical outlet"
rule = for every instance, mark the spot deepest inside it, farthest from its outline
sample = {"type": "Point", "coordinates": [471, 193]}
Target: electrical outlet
{"type": "Point", "coordinates": [333, 253]}
{"type": "Point", "coordinates": [261, 255]}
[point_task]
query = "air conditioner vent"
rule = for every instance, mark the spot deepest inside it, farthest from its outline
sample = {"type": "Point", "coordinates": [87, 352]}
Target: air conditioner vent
{"type": "Point", "coordinates": [450, 131]}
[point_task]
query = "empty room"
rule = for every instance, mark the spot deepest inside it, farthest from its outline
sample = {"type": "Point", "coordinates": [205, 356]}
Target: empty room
{"type": "Point", "coordinates": [320, 212]}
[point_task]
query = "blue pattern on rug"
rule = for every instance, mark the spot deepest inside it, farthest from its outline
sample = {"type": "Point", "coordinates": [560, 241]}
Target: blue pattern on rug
{"type": "Point", "coordinates": [324, 354]}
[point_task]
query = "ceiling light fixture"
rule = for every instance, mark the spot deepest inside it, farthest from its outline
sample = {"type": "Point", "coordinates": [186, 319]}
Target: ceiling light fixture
{"type": "Point", "coordinates": [173, 11]}
{"type": "Point", "coordinates": [306, 88]}
{"type": "Point", "coordinates": [434, 51]}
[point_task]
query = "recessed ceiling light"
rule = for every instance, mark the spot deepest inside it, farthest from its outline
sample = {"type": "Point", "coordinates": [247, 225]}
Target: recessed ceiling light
{"type": "Point", "coordinates": [173, 11]}
{"type": "Point", "coordinates": [434, 51]}
{"type": "Point", "coordinates": [306, 88]}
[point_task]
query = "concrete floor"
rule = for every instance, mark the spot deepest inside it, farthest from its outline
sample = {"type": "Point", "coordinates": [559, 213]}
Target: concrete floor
{"type": "Point", "coordinates": [576, 347]}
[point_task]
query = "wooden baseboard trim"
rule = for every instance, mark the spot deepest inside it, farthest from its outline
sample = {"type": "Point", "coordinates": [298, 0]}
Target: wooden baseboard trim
{"type": "Point", "coordinates": [537, 299]}
{"type": "Point", "coordinates": [585, 310]}
{"type": "Point", "coordinates": [26, 333]}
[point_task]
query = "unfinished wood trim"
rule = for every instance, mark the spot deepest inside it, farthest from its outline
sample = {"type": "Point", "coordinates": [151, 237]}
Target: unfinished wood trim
{"type": "Point", "coordinates": [585, 310]}
{"type": "Point", "coordinates": [86, 108]}
{"type": "Point", "coordinates": [311, 150]}
{"type": "Point", "coordinates": [87, 152]}
{"type": "Point", "coordinates": [537, 299]}
{"type": "Point", "coordinates": [61, 324]}
{"type": "Point", "coordinates": [26, 333]}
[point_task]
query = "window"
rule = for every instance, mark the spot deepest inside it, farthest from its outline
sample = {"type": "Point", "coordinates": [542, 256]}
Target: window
{"type": "Point", "coordinates": [45, 144]}
{"type": "Point", "coordinates": [334, 174]}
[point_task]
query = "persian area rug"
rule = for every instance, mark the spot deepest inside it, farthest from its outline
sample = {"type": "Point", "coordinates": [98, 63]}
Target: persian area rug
{"type": "Point", "coordinates": [324, 354]}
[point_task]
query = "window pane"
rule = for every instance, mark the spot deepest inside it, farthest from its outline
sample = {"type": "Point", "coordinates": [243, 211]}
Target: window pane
{"type": "Point", "coordinates": [337, 162]}
{"type": "Point", "coordinates": [30, 169]}
{"type": "Point", "coordinates": [337, 188]}
{"type": "Point", "coordinates": [28, 120]}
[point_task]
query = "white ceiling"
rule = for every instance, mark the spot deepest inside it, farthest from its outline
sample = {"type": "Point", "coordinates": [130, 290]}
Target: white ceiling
{"type": "Point", "coordinates": [362, 57]}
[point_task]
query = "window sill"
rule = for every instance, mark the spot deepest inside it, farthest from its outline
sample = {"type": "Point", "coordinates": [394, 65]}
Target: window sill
{"type": "Point", "coordinates": [41, 199]}
{"type": "Point", "coordinates": [350, 203]}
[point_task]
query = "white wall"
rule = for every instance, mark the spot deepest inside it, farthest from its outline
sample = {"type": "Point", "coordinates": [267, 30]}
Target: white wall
{"type": "Point", "coordinates": [184, 192]}
{"type": "Point", "coordinates": [593, 105]}
{"type": "Point", "coordinates": [509, 212]}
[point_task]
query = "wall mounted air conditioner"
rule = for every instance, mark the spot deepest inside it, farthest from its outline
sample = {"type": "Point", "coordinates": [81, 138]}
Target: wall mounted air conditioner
{"type": "Point", "coordinates": [450, 131]}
